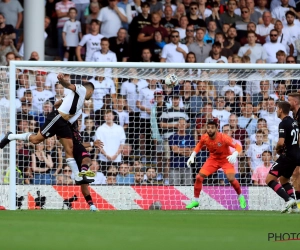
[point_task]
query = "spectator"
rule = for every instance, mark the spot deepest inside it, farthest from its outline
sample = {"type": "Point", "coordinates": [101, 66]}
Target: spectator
{"type": "Point", "coordinates": [34, 56]}
{"type": "Point", "coordinates": [157, 46]}
{"type": "Point", "coordinates": [216, 54]}
{"type": "Point", "coordinates": [95, 9]}
{"type": "Point", "coordinates": [119, 45]}
{"type": "Point", "coordinates": [280, 92]}
{"type": "Point", "coordinates": [6, 46]}
{"type": "Point", "coordinates": [81, 6]}
{"type": "Point", "coordinates": [128, 12]}
{"type": "Point", "coordinates": [203, 11]}
{"type": "Point", "coordinates": [40, 94]}
{"type": "Point", "coordinates": [46, 110]}
{"type": "Point", "coordinates": [273, 47]}
{"type": "Point", "coordinates": [105, 55]}
{"type": "Point", "coordinates": [271, 117]}
{"type": "Point", "coordinates": [151, 176]}
{"type": "Point", "coordinates": [260, 173]}
{"type": "Point", "coordinates": [183, 23]}
{"type": "Point", "coordinates": [211, 32]}
{"type": "Point", "coordinates": [276, 3]}
{"type": "Point", "coordinates": [92, 41]}
{"type": "Point", "coordinates": [124, 177]}
{"type": "Point", "coordinates": [253, 50]}
{"type": "Point", "coordinates": [265, 28]}
{"type": "Point", "coordinates": [112, 170]}
{"type": "Point", "coordinates": [12, 10]}
{"type": "Point", "coordinates": [241, 25]}
{"type": "Point", "coordinates": [261, 124]}
{"type": "Point", "coordinates": [138, 23]}
{"type": "Point", "coordinates": [229, 16]}
{"type": "Point", "coordinates": [279, 13]}
{"type": "Point", "coordinates": [231, 42]}
{"type": "Point", "coordinates": [59, 93]}
{"type": "Point", "coordinates": [62, 12]}
{"type": "Point", "coordinates": [219, 111]}
{"type": "Point", "coordinates": [251, 27]}
{"type": "Point", "coordinates": [181, 11]}
{"type": "Point", "coordinates": [174, 51]}
{"type": "Point", "coordinates": [206, 90]}
{"type": "Point", "coordinates": [113, 138]}
{"type": "Point", "coordinates": [156, 6]}
{"type": "Point", "coordinates": [232, 103]}
{"type": "Point", "coordinates": [220, 37]}
{"type": "Point", "coordinates": [255, 150]}
{"type": "Point", "coordinates": [238, 91]}
{"type": "Point", "coordinates": [199, 47]}
{"type": "Point", "coordinates": [254, 15]}
{"type": "Point", "coordinates": [122, 112]}
{"type": "Point", "coordinates": [182, 145]}
{"type": "Point", "coordinates": [236, 132]}
{"type": "Point", "coordinates": [23, 84]}
{"type": "Point", "coordinates": [261, 7]}
{"type": "Point", "coordinates": [146, 35]}
{"type": "Point", "coordinates": [281, 57]}
{"type": "Point", "coordinates": [215, 16]}
{"type": "Point", "coordinates": [25, 113]}
{"type": "Point", "coordinates": [41, 164]}
{"type": "Point", "coordinates": [100, 179]}
{"type": "Point", "coordinates": [292, 28]}
{"type": "Point", "coordinates": [283, 37]}
{"type": "Point", "coordinates": [6, 29]}
{"type": "Point", "coordinates": [168, 21]}
{"type": "Point", "coordinates": [170, 3]}
{"type": "Point", "coordinates": [71, 35]}
{"type": "Point", "coordinates": [193, 17]}
{"type": "Point", "coordinates": [111, 179]}
{"type": "Point", "coordinates": [248, 120]}
{"type": "Point", "coordinates": [111, 18]}
{"type": "Point", "coordinates": [52, 149]}
{"type": "Point", "coordinates": [138, 178]}
{"type": "Point", "coordinates": [65, 177]}
{"type": "Point", "coordinates": [189, 35]}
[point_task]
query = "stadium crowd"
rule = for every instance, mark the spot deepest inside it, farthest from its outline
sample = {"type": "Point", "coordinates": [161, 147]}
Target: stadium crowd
{"type": "Point", "coordinates": [149, 129]}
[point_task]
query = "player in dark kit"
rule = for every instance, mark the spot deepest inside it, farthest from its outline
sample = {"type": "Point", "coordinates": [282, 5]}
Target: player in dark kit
{"type": "Point", "coordinates": [294, 101]}
{"type": "Point", "coordinates": [288, 149]}
{"type": "Point", "coordinates": [83, 158]}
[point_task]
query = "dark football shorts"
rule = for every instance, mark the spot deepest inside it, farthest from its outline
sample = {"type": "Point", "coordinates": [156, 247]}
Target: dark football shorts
{"type": "Point", "coordinates": [56, 125]}
{"type": "Point", "coordinates": [283, 166]}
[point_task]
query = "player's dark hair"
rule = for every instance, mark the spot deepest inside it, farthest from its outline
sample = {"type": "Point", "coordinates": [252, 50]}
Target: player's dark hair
{"type": "Point", "coordinates": [212, 122]}
{"type": "Point", "coordinates": [285, 106]}
{"type": "Point", "coordinates": [267, 152]}
{"type": "Point", "coordinates": [88, 85]}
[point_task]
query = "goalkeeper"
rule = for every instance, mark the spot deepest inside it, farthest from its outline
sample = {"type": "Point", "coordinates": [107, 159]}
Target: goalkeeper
{"type": "Point", "coordinates": [219, 157]}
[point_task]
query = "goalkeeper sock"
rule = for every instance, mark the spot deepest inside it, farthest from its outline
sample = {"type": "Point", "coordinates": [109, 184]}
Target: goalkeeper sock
{"type": "Point", "coordinates": [279, 190]}
{"type": "Point", "coordinates": [89, 200]}
{"type": "Point", "coordinates": [198, 186]}
{"type": "Point", "coordinates": [297, 195]}
{"type": "Point", "coordinates": [289, 189]}
{"type": "Point", "coordinates": [84, 167]}
{"type": "Point", "coordinates": [236, 185]}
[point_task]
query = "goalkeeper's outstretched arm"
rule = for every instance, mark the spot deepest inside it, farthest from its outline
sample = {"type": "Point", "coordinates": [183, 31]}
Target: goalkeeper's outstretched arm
{"type": "Point", "coordinates": [195, 152]}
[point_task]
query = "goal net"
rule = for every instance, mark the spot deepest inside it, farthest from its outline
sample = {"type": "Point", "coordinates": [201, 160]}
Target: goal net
{"type": "Point", "coordinates": [148, 128]}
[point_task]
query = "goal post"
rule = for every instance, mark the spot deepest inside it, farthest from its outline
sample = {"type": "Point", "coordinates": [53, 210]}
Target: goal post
{"type": "Point", "coordinates": [152, 193]}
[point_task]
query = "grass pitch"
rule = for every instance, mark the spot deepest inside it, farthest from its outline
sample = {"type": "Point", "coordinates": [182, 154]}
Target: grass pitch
{"type": "Point", "coordinates": [143, 230]}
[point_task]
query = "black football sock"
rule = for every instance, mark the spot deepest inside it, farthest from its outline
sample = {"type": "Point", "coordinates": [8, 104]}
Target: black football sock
{"type": "Point", "coordinates": [279, 190]}
{"type": "Point", "coordinates": [289, 189]}
{"type": "Point", "coordinates": [89, 200]}
{"type": "Point", "coordinates": [297, 195]}
{"type": "Point", "coordinates": [84, 167]}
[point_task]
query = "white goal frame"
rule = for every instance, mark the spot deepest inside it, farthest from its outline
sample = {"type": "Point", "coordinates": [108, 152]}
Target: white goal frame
{"type": "Point", "coordinates": [40, 64]}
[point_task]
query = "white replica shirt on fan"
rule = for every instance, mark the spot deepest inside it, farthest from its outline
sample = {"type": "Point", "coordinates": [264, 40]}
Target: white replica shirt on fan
{"type": "Point", "coordinates": [72, 30]}
{"type": "Point", "coordinates": [38, 99]}
{"type": "Point", "coordinates": [73, 102]}
{"type": "Point", "coordinates": [294, 32]}
{"type": "Point", "coordinates": [222, 115]}
{"type": "Point", "coordinates": [123, 117]}
{"type": "Point", "coordinates": [131, 91]}
{"type": "Point", "coordinates": [108, 57]}
{"type": "Point", "coordinates": [284, 38]}
{"type": "Point", "coordinates": [171, 55]}
{"type": "Point", "coordinates": [257, 52]}
{"type": "Point", "coordinates": [254, 152]}
{"type": "Point", "coordinates": [271, 50]}
{"type": "Point", "coordinates": [112, 137]}
{"type": "Point", "coordinates": [211, 60]}
{"type": "Point", "coordinates": [103, 88]}
{"type": "Point", "coordinates": [146, 98]}
{"type": "Point", "coordinates": [279, 13]}
{"type": "Point", "coordinates": [110, 21]}
{"type": "Point", "coordinates": [264, 30]}
{"type": "Point", "coordinates": [92, 44]}
{"type": "Point", "coordinates": [21, 91]}
{"type": "Point", "coordinates": [51, 80]}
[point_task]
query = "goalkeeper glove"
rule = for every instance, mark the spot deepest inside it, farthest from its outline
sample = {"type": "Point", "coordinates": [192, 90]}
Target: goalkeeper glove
{"type": "Point", "coordinates": [232, 158]}
{"type": "Point", "coordinates": [191, 159]}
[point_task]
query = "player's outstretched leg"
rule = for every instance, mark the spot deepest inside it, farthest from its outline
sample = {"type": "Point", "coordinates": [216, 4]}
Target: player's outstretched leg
{"type": "Point", "coordinates": [272, 182]}
{"type": "Point", "coordinates": [27, 137]}
{"type": "Point", "coordinates": [197, 190]}
{"type": "Point", "coordinates": [87, 196]}
{"type": "Point", "coordinates": [237, 187]}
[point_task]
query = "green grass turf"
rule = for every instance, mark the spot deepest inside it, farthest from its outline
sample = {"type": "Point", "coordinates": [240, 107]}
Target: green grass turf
{"type": "Point", "coordinates": [143, 230]}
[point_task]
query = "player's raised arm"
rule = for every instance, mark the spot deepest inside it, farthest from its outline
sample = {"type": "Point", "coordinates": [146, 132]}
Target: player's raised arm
{"type": "Point", "coordinates": [65, 83]}
{"type": "Point", "coordinates": [238, 149]}
{"type": "Point", "coordinates": [198, 147]}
